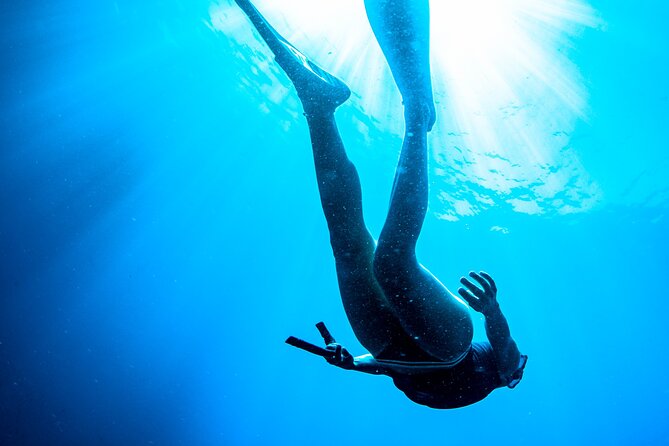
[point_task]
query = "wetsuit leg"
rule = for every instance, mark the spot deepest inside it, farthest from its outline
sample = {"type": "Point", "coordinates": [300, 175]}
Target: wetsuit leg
{"type": "Point", "coordinates": [366, 306]}
{"type": "Point", "coordinates": [402, 28]}
{"type": "Point", "coordinates": [439, 322]}
{"type": "Point", "coordinates": [368, 310]}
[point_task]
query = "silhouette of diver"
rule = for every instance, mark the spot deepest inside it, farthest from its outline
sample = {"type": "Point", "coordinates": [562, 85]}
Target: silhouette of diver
{"type": "Point", "coordinates": [416, 331]}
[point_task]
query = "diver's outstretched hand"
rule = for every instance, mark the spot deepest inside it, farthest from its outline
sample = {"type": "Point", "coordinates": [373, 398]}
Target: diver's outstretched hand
{"type": "Point", "coordinates": [340, 356]}
{"type": "Point", "coordinates": [482, 299]}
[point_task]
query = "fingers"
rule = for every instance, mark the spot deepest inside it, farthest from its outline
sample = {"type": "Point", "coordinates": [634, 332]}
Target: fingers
{"type": "Point", "coordinates": [471, 299]}
{"type": "Point", "coordinates": [489, 279]}
{"type": "Point", "coordinates": [337, 351]}
{"type": "Point", "coordinates": [339, 356]}
{"type": "Point", "coordinates": [477, 298]}
{"type": "Point", "coordinates": [476, 291]}
{"type": "Point", "coordinates": [482, 282]}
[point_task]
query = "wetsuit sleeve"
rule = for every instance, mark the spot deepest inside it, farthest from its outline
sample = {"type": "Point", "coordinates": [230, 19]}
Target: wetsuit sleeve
{"type": "Point", "coordinates": [505, 348]}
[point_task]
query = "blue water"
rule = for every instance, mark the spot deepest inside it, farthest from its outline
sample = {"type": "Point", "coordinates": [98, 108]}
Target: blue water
{"type": "Point", "coordinates": [161, 235]}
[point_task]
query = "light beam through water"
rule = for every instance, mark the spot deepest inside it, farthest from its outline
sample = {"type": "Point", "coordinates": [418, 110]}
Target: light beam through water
{"type": "Point", "coordinates": [508, 96]}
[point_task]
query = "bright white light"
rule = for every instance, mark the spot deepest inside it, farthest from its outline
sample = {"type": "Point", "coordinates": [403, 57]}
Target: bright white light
{"type": "Point", "coordinates": [508, 95]}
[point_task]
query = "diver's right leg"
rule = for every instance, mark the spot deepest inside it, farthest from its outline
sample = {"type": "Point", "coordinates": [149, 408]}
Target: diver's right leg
{"type": "Point", "coordinates": [438, 322]}
{"type": "Point", "coordinates": [368, 311]}
{"type": "Point", "coordinates": [402, 28]}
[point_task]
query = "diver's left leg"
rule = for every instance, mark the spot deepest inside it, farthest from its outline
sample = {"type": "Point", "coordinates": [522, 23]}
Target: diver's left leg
{"type": "Point", "coordinates": [368, 311]}
{"type": "Point", "coordinates": [371, 316]}
{"type": "Point", "coordinates": [317, 89]}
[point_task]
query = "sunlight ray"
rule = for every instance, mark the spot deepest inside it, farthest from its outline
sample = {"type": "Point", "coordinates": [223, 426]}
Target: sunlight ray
{"type": "Point", "coordinates": [504, 84]}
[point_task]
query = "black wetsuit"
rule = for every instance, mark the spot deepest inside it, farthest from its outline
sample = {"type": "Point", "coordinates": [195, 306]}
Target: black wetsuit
{"type": "Point", "coordinates": [469, 381]}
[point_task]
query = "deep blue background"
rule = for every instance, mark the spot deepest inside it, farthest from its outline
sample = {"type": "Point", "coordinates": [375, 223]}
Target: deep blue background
{"type": "Point", "coordinates": [156, 248]}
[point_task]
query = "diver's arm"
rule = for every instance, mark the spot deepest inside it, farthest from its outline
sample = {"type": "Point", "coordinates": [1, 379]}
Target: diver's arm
{"type": "Point", "coordinates": [497, 328]}
{"type": "Point", "coordinates": [505, 348]}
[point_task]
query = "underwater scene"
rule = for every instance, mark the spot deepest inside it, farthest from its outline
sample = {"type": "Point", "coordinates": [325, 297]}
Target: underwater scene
{"type": "Point", "coordinates": [183, 187]}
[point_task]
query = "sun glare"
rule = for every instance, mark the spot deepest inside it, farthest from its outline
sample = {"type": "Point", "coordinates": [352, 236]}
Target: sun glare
{"type": "Point", "coordinates": [508, 95]}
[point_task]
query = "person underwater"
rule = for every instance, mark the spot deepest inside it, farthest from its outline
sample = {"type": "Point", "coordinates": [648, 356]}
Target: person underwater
{"type": "Point", "coordinates": [415, 330]}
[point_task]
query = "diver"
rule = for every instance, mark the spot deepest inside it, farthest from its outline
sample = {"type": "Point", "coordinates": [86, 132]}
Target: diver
{"type": "Point", "coordinates": [416, 331]}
